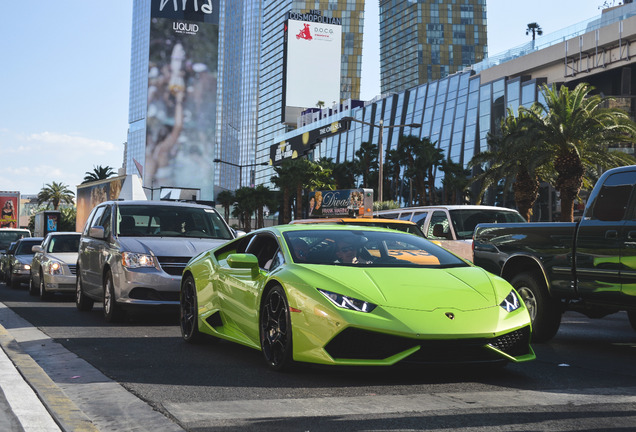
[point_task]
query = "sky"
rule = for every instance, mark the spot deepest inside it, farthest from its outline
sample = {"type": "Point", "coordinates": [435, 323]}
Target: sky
{"type": "Point", "coordinates": [65, 69]}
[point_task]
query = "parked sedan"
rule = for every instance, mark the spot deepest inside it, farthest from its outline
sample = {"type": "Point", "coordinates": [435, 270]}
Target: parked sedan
{"type": "Point", "coordinates": [5, 260]}
{"type": "Point", "coordinates": [19, 268]}
{"type": "Point", "coordinates": [54, 263]}
{"type": "Point", "coordinates": [351, 295]}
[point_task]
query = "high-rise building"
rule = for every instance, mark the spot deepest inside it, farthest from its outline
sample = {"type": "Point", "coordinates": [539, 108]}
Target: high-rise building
{"type": "Point", "coordinates": [350, 15]}
{"type": "Point", "coordinates": [423, 40]}
{"type": "Point", "coordinates": [173, 88]}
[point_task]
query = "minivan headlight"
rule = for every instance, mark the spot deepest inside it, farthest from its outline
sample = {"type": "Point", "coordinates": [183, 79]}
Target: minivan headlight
{"type": "Point", "coordinates": [137, 260]}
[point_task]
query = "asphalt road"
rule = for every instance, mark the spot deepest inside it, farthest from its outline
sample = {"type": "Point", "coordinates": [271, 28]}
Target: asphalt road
{"type": "Point", "coordinates": [584, 379]}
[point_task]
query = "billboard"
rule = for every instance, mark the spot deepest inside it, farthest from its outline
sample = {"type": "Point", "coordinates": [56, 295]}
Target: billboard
{"type": "Point", "coordinates": [313, 53]}
{"type": "Point", "coordinates": [182, 88]}
{"type": "Point", "coordinates": [341, 203]}
{"type": "Point", "coordinates": [91, 194]}
{"type": "Point", "coordinates": [9, 202]}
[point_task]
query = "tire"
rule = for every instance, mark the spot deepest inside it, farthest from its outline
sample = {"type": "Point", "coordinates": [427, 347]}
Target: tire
{"type": "Point", "coordinates": [33, 289]}
{"type": "Point", "coordinates": [632, 318]}
{"type": "Point", "coordinates": [82, 302]}
{"type": "Point", "coordinates": [545, 312]}
{"type": "Point", "coordinates": [43, 294]}
{"type": "Point", "coordinates": [112, 311]}
{"type": "Point", "coordinates": [276, 330]}
{"type": "Point", "coordinates": [188, 311]}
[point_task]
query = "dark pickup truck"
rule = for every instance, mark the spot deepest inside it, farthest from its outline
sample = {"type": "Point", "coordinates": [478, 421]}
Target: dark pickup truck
{"type": "Point", "coordinates": [587, 266]}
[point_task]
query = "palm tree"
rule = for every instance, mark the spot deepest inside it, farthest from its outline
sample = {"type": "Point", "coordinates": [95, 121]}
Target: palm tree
{"type": "Point", "coordinates": [455, 181]}
{"type": "Point", "coordinates": [225, 199]}
{"type": "Point", "coordinates": [518, 156]}
{"type": "Point", "coordinates": [98, 173]}
{"type": "Point", "coordinates": [420, 157]}
{"type": "Point", "coordinates": [288, 175]}
{"type": "Point", "coordinates": [262, 198]}
{"type": "Point", "coordinates": [366, 162]}
{"type": "Point", "coordinates": [579, 129]}
{"type": "Point", "coordinates": [245, 206]}
{"type": "Point", "coordinates": [54, 194]}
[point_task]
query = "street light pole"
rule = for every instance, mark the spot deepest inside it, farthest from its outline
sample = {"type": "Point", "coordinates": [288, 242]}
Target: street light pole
{"type": "Point", "coordinates": [240, 167]}
{"type": "Point", "coordinates": [380, 147]}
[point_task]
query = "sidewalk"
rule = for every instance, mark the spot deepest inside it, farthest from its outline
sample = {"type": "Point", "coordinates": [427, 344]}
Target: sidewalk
{"type": "Point", "coordinates": [29, 399]}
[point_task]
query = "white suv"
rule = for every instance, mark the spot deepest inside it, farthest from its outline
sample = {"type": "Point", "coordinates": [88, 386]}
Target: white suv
{"type": "Point", "coordinates": [132, 253]}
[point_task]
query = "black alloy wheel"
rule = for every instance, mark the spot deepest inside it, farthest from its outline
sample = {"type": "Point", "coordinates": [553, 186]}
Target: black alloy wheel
{"type": "Point", "coordinates": [188, 307]}
{"type": "Point", "coordinates": [276, 331]}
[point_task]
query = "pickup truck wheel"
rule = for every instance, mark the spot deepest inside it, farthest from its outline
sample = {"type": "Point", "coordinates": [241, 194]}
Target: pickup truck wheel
{"type": "Point", "coordinates": [544, 311]}
{"type": "Point", "coordinates": [632, 318]}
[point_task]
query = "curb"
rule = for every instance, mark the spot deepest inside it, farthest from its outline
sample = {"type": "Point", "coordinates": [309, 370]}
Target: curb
{"type": "Point", "coordinates": [64, 412]}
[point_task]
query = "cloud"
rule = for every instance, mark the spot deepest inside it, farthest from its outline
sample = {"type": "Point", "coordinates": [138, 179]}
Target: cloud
{"type": "Point", "coordinates": [72, 142]}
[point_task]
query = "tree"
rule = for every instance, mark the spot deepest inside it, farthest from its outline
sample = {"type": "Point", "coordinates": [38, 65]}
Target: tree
{"type": "Point", "coordinates": [420, 157]}
{"type": "Point", "coordinates": [579, 130]}
{"type": "Point", "coordinates": [262, 198]}
{"type": "Point", "coordinates": [245, 206]}
{"type": "Point", "coordinates": [54, 194]}
{"type": "Point", "coordinates": [366, 162]}
{"type": "Point", "coordinates": [98, 173]}
{"type": "Point", "coordinates": [455, 181]}
{"type": "Point", "coordinates": [288, 175]}
{"type": "Point", "coordinates": [225, 199]}
{"type": "Point", "coordinates": [518, 156]}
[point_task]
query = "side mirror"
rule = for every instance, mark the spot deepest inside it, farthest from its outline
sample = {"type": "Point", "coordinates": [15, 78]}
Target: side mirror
{"type": "Point", "coordinates": [96, 232]}
{"type": "Point", "coordinates": [243, 261]}
{"type": "Point", "coordinates": [238, 233]}
{"type": "Point", "coordinates": [36, 248]}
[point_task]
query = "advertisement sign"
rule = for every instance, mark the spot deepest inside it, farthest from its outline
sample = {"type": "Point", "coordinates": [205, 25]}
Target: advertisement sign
{"type": "Point", "coordinates": [9, 204]}
{"type": "Point", "coordinates": [89, 195]}
{"type": "Point", "coordinates": [300, 144]}
{"type": "Point", "coordinates": [341, 203]}
{"type": "Point", "coordinates": [182, 87]}
{"type": "Point", "coordinates": [313, 55]}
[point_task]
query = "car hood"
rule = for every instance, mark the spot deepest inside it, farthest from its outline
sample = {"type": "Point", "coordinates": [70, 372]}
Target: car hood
{"type": "Point", "coordinates": [24, 259]}
{"type": "Point", "coordinates": [464, 288]}
{"type": "Point", "coordinates": [169, 246]}
{"type": "Point", "coordinates": [65, 257]}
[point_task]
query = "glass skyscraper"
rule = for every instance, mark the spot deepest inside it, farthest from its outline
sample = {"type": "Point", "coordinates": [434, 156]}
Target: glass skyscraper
{"type": "Point", "coordinates": [424, 40]}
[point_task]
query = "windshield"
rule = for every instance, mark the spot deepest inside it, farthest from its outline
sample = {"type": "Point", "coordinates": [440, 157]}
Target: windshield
{"type": "Point", "coordinates": [411, 229]}
{"type": "Point", "coordinates": [7, 237]}
{"type": "Point", "coordinates": [24, 247]}
{"type": "Point", "coordinates": [170, 221]}
{"type": "Point", "coordinates": [465, 221]}
{"type": "Point", "coordinates": [367, 248]}
{"type": "Point", "coordinates": [64, 243]}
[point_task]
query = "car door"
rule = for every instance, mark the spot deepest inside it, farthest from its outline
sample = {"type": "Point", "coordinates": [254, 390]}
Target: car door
{"type": "Point", "coordinates": [599, 241]}
{"type": "Point", "coordinates": [88, 256]}
{"type": "Point", "coordinates": [241, 288]}
{"type": "Point", "coordinates": [627, 239]}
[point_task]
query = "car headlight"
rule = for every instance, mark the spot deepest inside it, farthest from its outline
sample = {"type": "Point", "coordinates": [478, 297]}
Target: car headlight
{"type": "Point", "coordinates": [55, 268]}
{"type": "Point", "coordinates": [21, 266]}
{"type": "Point", "coordinates": [511, 302]}
{"type": "Point", "coordinates": [137, 260]}
{"type": "Point", "coordinates": [350, 303]}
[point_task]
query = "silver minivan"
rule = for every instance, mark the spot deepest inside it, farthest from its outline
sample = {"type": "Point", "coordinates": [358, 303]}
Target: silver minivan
{"type": "Point", "coordinates": [132, 253]}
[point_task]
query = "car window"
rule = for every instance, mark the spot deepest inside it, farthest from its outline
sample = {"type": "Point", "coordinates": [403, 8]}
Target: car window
{"type": "Point", "coordinates": [264, 247]}
{"type": "Point", "coordinates": [611, 202]}
{"type": "Point", "coordinates": [61, 244]}
{"type": "Point", "coordinates": [371, 249]}
{"type": "Point", "coordinates": [439, 227]}
{"type": "Point", "coordinates": [465, 220]}
{"type": "Point", "coordinates": [105, 221]}
{"type": "Point", "coordinates": [419, 218]}
{"type": "Point", "coordinates": [24, 247]}
{"type": "Point", "coordinates": [97, 216]}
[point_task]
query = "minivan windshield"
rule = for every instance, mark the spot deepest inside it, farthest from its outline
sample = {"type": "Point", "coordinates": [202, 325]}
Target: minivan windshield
{"type": "Point", "coordinates": [8, 236]}
{"type": "Point", "coordinates": [170, 221]}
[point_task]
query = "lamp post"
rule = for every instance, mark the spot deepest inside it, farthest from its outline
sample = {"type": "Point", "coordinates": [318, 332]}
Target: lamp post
{"type": "Point", "coordinates": [240, 167]}
{"type": "Point", "coordinates": [380, 146]}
